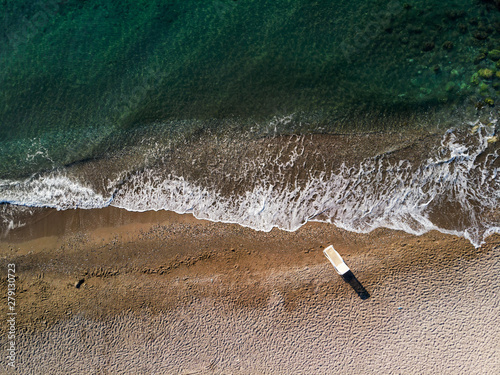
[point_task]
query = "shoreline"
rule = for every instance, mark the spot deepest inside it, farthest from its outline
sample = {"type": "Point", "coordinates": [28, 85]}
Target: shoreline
{"type": "Point", "coordinates": [303, 173]}
{"type": "Point", "coordinates": [153, 266]}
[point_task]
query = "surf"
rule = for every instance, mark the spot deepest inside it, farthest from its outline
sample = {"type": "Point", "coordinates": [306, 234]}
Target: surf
{"type": "Point", "coordinates": [284, 182]}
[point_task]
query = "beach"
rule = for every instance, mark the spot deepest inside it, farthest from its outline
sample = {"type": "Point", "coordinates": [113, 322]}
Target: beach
{"type": "Point", "coordinates": [171, 172]}
{"type": "Point", "coordinates": [109, 291]}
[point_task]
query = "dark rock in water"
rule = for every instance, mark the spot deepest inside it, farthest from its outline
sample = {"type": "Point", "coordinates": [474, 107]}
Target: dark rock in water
{"type": "Point", "coordinates": [492, 2]}
{"type": "Point", "coordinates": [479, 58]}
{"type": "Point", "coordinates": [448, 45]}
{"type": "Point", "coordinates": [494, 54]}
{"type": "Point", "coordinates": [480, 35]}
{"type": "Point", "coordinates": [428, 46]}
{"type": "Point", "coordinates": [485, 73]}
{"type": "Point", "coordinates": [414, 29]}
{"type": "Point", "coordinates": [476, 42]}
{"type": "Point", "coordinates": [455, 14]}
{"type": "Point", "coordinates": [450, 86]}
{"type": "Point", "coordinates": [486, 28]}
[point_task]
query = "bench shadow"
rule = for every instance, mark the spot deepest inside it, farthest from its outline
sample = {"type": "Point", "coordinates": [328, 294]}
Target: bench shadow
{"type": "Point", "coordinates": [356, 285]}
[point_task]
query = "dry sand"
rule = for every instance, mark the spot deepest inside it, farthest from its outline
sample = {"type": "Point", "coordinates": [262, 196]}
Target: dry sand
{"type": "Point", "coordinates": [161, 293]}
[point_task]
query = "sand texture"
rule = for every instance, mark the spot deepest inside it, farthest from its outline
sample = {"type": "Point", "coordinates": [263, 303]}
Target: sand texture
{"type": "Point", "coordinates": [167, 294]}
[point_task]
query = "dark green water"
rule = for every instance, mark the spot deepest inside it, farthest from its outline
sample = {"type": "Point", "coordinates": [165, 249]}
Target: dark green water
{"type": "Point", "coordinates": [77, 74]}
{"type": "Point", "coordinates": [85, 82]}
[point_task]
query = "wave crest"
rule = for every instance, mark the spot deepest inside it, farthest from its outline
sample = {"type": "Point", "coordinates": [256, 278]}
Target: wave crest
{"type": "Point", "coordinates": [455, 189]}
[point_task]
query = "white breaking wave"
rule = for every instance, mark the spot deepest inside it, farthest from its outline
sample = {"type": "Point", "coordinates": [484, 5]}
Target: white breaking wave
{"type": "Point", "coordinates": [376, 193]}
{"type": "Point", "coordinates": [54, 190]}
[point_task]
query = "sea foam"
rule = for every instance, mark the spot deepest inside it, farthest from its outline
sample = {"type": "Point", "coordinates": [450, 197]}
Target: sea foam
{"type": "Point", "coordinates": [377, 193]}
{"type": "Point", "coordinates": [54, 190]}
{"type": "Point", "coordinates": [455, 190]}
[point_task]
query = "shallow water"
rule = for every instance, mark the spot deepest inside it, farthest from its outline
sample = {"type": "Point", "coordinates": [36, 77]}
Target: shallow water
{"type": "Point", "coordinates": [362, 114]}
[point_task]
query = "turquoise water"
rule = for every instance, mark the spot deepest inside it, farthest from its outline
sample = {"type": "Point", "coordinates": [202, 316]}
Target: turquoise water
{"type": "Point", "coordinates": [98, 91]}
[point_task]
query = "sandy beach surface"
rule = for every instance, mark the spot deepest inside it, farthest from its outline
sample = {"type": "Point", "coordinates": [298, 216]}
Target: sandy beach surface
{"type": "Point", "coordinates": [114, 292]}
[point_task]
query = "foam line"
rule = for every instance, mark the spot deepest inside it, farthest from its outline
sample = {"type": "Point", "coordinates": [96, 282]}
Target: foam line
{"type": "Point", "coordinates": [379, 192]}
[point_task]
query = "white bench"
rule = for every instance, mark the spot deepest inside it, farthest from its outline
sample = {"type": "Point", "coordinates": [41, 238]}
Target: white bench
{"type": "Point", "coordinates": [336, 260]}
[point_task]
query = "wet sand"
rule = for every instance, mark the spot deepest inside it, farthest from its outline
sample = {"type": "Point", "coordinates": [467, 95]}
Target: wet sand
{"type": "Point", "coordinates": [165, 293]}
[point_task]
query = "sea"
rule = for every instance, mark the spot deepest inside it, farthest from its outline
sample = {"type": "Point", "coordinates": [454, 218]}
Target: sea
{"type": "Point", "coordinates": [268, 114]}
